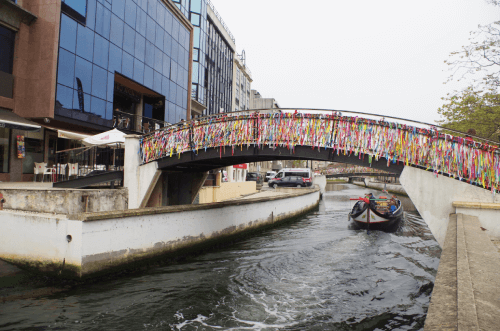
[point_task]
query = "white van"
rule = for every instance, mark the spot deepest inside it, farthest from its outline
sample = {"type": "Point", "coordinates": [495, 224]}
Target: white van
{"type": "Point", "coordinates": [270, 175]}
{"type": "Point", "coordinates": [301, 172]}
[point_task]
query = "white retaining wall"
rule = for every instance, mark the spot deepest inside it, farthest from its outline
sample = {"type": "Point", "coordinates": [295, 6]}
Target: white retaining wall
{"type": "Point", "coordinates": [100, 241]}
{"type": "Point", "coordinates": [433, 196]}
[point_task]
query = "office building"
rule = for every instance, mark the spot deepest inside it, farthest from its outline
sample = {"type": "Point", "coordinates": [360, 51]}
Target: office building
{"type": "Point", "coordinates": [75, 68]}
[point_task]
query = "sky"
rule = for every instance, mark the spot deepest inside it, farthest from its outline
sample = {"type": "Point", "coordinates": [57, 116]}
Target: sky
{"type": "Point", "coordinates": [381, 57]}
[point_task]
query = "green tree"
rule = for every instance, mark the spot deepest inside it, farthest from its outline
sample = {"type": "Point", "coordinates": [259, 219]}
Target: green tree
{"type": "Point", "coordinates": [473, 109]}
{"type": "Point", "coordinates": [477, 107]}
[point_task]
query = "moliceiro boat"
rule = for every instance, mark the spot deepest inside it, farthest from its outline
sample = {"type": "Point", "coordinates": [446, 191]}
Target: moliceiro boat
{"type": "Point", "coordinates": [380, 213]}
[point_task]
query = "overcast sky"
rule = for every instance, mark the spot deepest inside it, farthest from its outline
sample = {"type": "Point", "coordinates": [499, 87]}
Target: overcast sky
{"type": "Point", "coordinates": [384, 56]}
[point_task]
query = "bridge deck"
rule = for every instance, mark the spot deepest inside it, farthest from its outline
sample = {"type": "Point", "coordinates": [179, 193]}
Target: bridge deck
{"type": "Point", "coordinates": [466, 292]}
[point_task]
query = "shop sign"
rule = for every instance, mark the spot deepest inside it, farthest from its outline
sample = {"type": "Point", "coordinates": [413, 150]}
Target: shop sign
{"type": "Point", "coordinates": [240, 166]}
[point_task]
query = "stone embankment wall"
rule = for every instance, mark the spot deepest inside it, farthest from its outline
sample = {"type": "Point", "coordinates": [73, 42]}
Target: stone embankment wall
{"type": "Point", "coordinates": [89, 243]}
{"type": "Point", "coordinates": [65, 201]}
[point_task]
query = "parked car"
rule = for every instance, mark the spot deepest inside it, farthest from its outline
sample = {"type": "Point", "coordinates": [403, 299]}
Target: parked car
{"type": "Point", "coordinates": [299, 172]}
{"type": "Point", "coordinates": [289, 181]}
{"type": "Point", "coordinates": [269, 175]}
{"type": "Point", "coordinates": [254, 176]}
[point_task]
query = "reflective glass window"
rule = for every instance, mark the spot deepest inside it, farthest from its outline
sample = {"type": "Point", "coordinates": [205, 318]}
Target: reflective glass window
{"type": "Point", "coordinates": [101, 51]}
{"type": "Point", "coordinates": [75, 8]}
{"type": "Point", "coordinates": [160, 13]}
{"type": "Point", "coordinates": [168, 22]}
{"type": "Point", "coordinates": [140, 47]}
{"type": "Point", "coordinates": [66, 68]}
{"type": "Point", "coordinates": [98, 106]}
{"type": "Point", "coordinates": [4, 149]}
{"type": "Point", "coordinates": [68, 33]}
{"type": "Point", "coordinates": [158, 64]}
{"type": "Point", "coordinates": [195, 72]}
{"type": "Point", "coordinates": [64, 97]}
{"type": "Point", "coordinates": [111, 86]}
{"type": "Point", "coordinates": [175, 30]}
{"type": "Point", "coordinates": [173, 71]}
{"type": "Point", "coordinates": [150, 54]}
{"type": "Point", "coordinates": [91, 11]}
{"type": "Point", "coordinates": [166, 65]}
{"type": "Point", "coordinates": [159, 36]}
{"type": "Point", "coordinates": [99, 82]}
{"type": "Point", "coordinates": [141, 21]}
{"type": "Point", "coordinates": [152, 8]}
{"type": "Point", "coordinates": [85, 43]}
{"type": "Point", "coordinates": [167, 44]}
{"type": "Point", "coordinates": [143, 4]}
{"type": "Point", "coordinates": [157, 82]}
{"type": "Point", "coordinates": [129, 40]}
{"type": "Point", "coordinates": [109, 111]}
{"type": "Point", "coordinates": [118, 8]}
{"type": "Point", "coordinates": [196, 6]}
{"type": "Point", "coordinates": [7, 40]}
{"type": "Point", "coordinates": [196, 37]}
{"type": "Point", "coordinates": [175, 50]}
{"type": "Point", "coordinates": [151, 30]}
{"type": "Point", "coordinates": [195, 19]}
{"type": "Point", "coordinates": [130, 13]}
{"type": "Point", "coordinates": [83, 75]}
{"type": "Point", "coordinates": [115, 58]}
{"type": "Point", "coordinates": [127, 65]}
{"type": "Point", "coordinates": [117, 28]}
{"type": "Point", "coordinates": [34, 153]}
{"type": "Point", "coordinates": [179, 96]}
{"type": "Point", "coordinates": [173, 91]}
{"type": "Point", "coordinates": [81, 101]}
{"type": "Point", "coordinates": [165, 87]}
{"type": "Point", "coordinates": [103, 21]}
{"type": "Point", "coordinates": [148, 76]}
{"type": "Point", "coordinates": [138, 71]}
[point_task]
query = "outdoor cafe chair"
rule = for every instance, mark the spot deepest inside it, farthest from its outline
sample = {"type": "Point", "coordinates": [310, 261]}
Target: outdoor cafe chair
{"type": "Point", "coordinates": [39, 170]}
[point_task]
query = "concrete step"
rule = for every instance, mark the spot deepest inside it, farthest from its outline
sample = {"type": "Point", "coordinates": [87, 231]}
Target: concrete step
{"type": "Point", "coordinates": [466, 292]}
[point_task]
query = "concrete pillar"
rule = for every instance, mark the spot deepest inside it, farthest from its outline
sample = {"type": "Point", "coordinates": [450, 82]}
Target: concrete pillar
{"type": "Point", "coordinates": [138, 113]}
{"type": "Point", "coordinates": [138, 179]}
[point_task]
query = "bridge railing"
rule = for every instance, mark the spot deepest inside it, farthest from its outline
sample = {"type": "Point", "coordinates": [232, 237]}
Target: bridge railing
{"type": "Point", "coordinates": [428, 148]}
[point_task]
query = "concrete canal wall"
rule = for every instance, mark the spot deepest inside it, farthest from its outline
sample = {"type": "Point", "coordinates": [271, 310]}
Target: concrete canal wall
{"type": "Point", "coordinates": [434, 196]}
{"type": "Point", "coordinates": [87, 243]}
{"type": "Point", "coordinates": [64, 201]}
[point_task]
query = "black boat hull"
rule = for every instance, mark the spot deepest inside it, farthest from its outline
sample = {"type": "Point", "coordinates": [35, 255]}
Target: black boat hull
{"type": "Point", "coordinates": [359, 216]}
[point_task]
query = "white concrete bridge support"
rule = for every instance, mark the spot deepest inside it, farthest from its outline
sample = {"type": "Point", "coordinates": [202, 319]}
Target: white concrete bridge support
{"type": "Point", "coordinates": [434, 196]}
{"type": "Point", "coordinates": [149, 186]}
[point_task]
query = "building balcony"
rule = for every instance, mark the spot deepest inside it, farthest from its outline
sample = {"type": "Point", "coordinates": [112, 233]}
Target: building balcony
{"type": "Point", "coordinates": [132, 123]}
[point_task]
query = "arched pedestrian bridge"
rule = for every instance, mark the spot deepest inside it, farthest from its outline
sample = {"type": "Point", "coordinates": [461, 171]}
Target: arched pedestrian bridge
{"type": "Point", "coordinates": [424, 155]}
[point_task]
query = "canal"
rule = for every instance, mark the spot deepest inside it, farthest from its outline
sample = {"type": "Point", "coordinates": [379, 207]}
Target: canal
{"type": "Point", "coordinates": [314, 273]}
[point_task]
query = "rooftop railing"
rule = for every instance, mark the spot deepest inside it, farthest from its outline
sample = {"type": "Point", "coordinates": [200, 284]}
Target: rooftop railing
{"type": "Point", "coordinates": [221, 20]}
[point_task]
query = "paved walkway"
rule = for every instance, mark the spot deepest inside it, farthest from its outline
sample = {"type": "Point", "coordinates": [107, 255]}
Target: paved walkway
{"type": "Point", "coordinates": [466, 293]}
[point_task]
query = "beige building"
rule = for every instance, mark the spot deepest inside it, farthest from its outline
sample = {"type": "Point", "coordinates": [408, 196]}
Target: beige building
{"type": "Point", "coordinates": [242, 79]}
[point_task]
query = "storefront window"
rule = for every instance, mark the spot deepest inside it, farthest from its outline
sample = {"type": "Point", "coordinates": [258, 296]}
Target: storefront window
{"type": "Point", "coordinates": [4, 150]}
{"type": "Point", "coordinates": [34, 153]}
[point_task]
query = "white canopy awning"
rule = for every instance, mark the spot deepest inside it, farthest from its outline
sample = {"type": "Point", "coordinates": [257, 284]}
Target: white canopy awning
{"type": "Point", "coordinates": [106, 138]}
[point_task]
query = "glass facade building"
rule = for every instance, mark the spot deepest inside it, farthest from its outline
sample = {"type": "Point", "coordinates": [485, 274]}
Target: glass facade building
{"type": "Point", "coordinates": [212, 72]}
{"type": "Point", "coordinates": [142, 41]}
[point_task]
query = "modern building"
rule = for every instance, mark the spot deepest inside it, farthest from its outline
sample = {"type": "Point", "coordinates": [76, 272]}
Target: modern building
{"type": "Point", "coordinates": [258, 102]}
{"type": "Point", "coordinates": [213, 54]}
{"type": "Point", "coordinates": [242, 82]}
{"type": "Point", "coordinates": [82, 67]}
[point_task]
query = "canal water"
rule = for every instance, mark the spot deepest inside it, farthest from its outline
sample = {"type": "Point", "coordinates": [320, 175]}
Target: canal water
{"type": "Point", "coordinates": [314, 273]}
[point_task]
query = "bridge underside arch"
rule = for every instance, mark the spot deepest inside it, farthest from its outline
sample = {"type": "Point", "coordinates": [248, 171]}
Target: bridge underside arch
{"type": "Point", "coordinates": [214, 158]}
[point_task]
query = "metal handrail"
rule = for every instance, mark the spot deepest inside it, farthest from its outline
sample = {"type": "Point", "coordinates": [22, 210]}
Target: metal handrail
{"type": "Point", "coordinates": [239, 112]}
